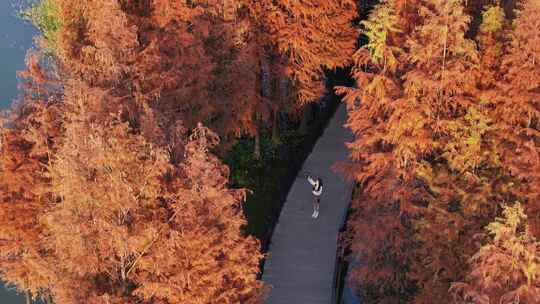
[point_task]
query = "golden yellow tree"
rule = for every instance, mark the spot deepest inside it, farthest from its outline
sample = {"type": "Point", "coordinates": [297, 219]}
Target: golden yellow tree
{"type": "Point", "coordinates": [507, 268]}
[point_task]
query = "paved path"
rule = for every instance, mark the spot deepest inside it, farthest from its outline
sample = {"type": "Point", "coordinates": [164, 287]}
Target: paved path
{"type": "Point", "coordinates": [300, 267]}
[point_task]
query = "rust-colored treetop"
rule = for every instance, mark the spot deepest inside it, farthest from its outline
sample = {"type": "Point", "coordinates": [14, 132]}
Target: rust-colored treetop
{"type": "Point", "coordinates": [150, 230]}
{"type": "Point", "coordinates": [117, 219]}
{"type": "Point", "coordinates": [313, 36]}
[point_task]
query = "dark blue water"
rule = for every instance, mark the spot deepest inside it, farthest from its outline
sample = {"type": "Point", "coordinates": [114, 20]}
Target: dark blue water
{"type": "Point", "coordinates": [16, 37]}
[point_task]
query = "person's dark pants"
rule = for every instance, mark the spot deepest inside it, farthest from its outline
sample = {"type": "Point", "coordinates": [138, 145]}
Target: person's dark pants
{"type": "Point", "coordinates": [316, 202]}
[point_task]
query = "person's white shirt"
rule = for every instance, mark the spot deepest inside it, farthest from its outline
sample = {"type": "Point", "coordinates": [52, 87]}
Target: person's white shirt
{"type": "Point", "coordinates": [317, 189]}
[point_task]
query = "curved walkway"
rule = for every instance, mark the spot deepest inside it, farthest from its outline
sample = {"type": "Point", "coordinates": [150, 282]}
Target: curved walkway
{"type": "Point", "coordinates": [302, 254]}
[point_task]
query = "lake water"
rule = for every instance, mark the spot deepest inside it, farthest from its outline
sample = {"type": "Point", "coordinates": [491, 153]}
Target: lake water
{"type": "Point", "coordinates": [16, 37]}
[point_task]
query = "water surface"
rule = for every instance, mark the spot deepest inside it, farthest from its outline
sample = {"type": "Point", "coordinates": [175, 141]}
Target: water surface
{"type": "Point", "coordinates": [16, 36]}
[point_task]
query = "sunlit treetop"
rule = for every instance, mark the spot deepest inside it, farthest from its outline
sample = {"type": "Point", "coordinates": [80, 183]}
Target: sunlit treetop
{"type": "Point", "coordinates": [492, 19]}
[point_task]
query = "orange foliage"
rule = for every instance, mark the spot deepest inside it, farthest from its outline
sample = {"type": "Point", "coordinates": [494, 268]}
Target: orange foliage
{"type": "Point", "coordinates": [517, 100]}
{"type": "Point", "coordinates": [27, 142]}
{"type": "Point", "coordinates": [313, 36]}
{"type": "Point", "coordinates": [110, 219]}
{"type": "Point", "coordinates": [133, 227]}
{"type": "Point", "coordinates": [118, 188]}
{"type": "Point", "coordinates": [507, 269]}
{"type": "Point", "coordinates": [426, 151]}
{"type": "Point", "coordinates": [166, 60]}
{"type": "Point", "coordinates": [380, 227]}
{"type": "Point", "coordinates": [24, 195]}
{"type": "Point", "coordinates": [105, 198]}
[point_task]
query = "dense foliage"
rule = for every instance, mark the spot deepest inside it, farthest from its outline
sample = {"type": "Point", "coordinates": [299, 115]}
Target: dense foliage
{"type": "Point", "coordinates": [110, 171]}
{"type": "Point", "coordinates": [446, 142]}
{"type": "Point", "coordinates": [112, 190]}
{"type": "Point", "coordinates": [103, 204]}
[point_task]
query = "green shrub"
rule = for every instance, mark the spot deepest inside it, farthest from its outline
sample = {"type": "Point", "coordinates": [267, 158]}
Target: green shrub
{"type": "Point", "coordinates": [44, 14]}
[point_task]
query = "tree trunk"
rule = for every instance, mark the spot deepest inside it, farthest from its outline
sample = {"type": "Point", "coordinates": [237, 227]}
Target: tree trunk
{"type": "Point", "coordinates": [266, 79]}
{"type": "Point", "coordinates": [283, 95]}
{"type": "Point", "coordinates": [275, 128]}
{"type": "Point", "coordinates": [257, 149]}
{"type": "Point", "coordinates": [509, 8]}
{"type": "Point", "coordinates": [28, 300]}
{"type": "Point", "coordinates": [306, 116]}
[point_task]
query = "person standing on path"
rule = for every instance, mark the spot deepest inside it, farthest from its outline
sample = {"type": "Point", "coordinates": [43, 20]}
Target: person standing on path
{"type": "Point", "coordinates": [317, 191]}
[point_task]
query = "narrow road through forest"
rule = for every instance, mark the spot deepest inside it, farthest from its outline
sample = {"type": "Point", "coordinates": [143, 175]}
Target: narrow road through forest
{"type": "Point", "coordinates": [302, 253]}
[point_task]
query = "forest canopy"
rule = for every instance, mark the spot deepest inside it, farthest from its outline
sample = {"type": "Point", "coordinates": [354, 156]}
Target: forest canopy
{"type": "Point", "coordinates": [445, 113]}
{"type": "Point", "coordinates": [113, 187]}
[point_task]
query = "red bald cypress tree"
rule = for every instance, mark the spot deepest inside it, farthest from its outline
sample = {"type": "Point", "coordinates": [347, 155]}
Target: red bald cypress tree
{"type": "Point", "coordinates": [165, 62]}
{"type": "Point", "coordinates": [115, 221]}
{"type": "Point", "coordinates": [378, 230]}
{"type": "Point", "coordinates": [424, 151]}
{"type": "Point", "coordinates": [28, 139]}
{"type": "Point", "coordinates": [311, 36]}
{"type": "Point", "coordinates": [516, 101]}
